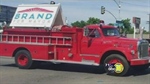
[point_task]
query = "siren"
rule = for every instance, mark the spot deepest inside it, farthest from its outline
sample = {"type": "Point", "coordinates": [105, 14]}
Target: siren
{"type": "Point", "coordinates": [102, 23]}
{"type": "Point", "coordinates": [52, 2]}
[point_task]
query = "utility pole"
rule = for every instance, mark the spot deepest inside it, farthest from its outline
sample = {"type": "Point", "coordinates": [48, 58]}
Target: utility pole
{"type": "Point", "coordinates": [148, 22]}
{"type": "Point", "coordinates": [149, 25]}
{"type": "Point", "coordinates": [119, 6]}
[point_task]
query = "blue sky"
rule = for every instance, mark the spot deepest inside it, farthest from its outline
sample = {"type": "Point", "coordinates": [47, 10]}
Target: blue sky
{"type": "Point", "coordinates": [83, 9]}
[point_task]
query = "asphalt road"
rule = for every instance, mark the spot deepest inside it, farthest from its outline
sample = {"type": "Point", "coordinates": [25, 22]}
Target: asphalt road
{"type": "Point", "coordinates": [47, 73]}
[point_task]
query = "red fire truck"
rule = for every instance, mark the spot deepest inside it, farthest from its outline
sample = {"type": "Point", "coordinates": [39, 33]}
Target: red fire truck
{"type": "Point", "coordinates": [38, 33]}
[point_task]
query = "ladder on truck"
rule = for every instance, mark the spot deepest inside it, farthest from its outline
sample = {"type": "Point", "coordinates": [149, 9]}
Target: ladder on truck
{"type": "Point", "coordinates": [36, 40]}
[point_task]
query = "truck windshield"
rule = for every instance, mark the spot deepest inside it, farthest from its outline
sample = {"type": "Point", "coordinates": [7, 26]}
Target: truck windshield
{"type": "Point", "coordinates": [110, 32]}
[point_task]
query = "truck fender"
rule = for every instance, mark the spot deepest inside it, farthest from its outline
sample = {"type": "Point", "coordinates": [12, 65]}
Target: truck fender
{"type": "Point", "coordinates": [19, 48]}
{"type": "Point", "coordinates": [109, 51]}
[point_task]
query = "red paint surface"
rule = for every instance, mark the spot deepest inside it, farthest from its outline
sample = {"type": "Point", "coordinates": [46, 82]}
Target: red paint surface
{"type": "Point", "coordinates": [94, 47]}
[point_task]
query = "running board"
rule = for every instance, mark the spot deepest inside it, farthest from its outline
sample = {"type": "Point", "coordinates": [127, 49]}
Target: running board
{"type": "Point", "coordinates": [71, 62]}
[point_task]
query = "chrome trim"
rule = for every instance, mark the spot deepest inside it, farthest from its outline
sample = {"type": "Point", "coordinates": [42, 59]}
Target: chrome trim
{"type": "Point", "coordinates": [89, 55]}
{"type": "Point", "coordinates": [139, 45]}
{"type": "Point", "coordinates": [71, 62]}
{"type": "Point", "coordinates": [88, 61]}
{"type": "Point", "coordinates": [6, 57]}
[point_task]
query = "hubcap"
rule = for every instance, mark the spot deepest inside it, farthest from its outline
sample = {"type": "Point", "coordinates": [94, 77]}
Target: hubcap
{"type": "Point", "coordinates": [115, 66]}
{"type": "Point", "coordinates": [22, 60]}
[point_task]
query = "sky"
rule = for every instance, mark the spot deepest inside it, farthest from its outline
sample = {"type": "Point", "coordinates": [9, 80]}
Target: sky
{"type": "Point", "coordinates": [77, 10]}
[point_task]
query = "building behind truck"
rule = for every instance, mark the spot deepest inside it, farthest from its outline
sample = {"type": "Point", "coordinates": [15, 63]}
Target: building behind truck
{"type": "Point", "coordinates": [38, 32]}
{"type": "Point", "coordinates": [6, 13]}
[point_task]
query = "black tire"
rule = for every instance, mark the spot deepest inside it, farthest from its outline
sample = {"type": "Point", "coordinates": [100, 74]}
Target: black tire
{"type": "Point", "coordinates": [111, 68]}
{"type": "Point", "coordinates": [23, 59]}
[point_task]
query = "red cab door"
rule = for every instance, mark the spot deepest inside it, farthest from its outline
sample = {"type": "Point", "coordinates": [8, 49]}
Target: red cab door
{"type": "Point", "coordinates": [91, 43]}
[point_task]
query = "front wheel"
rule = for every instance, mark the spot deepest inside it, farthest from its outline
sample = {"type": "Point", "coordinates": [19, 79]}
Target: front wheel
{"type": "Point", "coordinates": [23, 59]}
{"type": "Point", "coordinates": [116, 65]}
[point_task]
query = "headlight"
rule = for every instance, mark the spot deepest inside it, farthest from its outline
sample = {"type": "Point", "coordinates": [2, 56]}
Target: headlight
{"type": "Point", "coordinates": [132, 52]}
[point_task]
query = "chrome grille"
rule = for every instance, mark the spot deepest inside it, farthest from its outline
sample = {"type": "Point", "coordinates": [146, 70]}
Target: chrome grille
{"type": "Point", "coordinates": [143, 48]}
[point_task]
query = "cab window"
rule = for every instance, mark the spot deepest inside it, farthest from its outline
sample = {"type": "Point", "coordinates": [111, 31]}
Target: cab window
{"type": "Point", "coordinates": [110, 32]}
{"type": "Point", "coordinates": [94, 33]}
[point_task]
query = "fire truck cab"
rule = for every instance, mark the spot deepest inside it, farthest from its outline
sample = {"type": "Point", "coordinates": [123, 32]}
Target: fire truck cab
{"type": "Point", "coordinates": [53, 41]}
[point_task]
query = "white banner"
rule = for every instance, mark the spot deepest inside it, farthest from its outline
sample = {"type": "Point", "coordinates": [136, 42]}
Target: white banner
{"type": "Point", "coordinates": [37, 15]}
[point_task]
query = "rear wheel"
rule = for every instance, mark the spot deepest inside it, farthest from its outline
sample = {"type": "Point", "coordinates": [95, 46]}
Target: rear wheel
{"type": "Point", "coordinates": [23, 59]}
{"type": "Point", "coordinates": [116, 65]}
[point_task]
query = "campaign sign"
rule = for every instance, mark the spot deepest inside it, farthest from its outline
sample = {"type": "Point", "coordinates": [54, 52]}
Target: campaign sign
{"type": "Point", "coordinates": [34, 16]}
